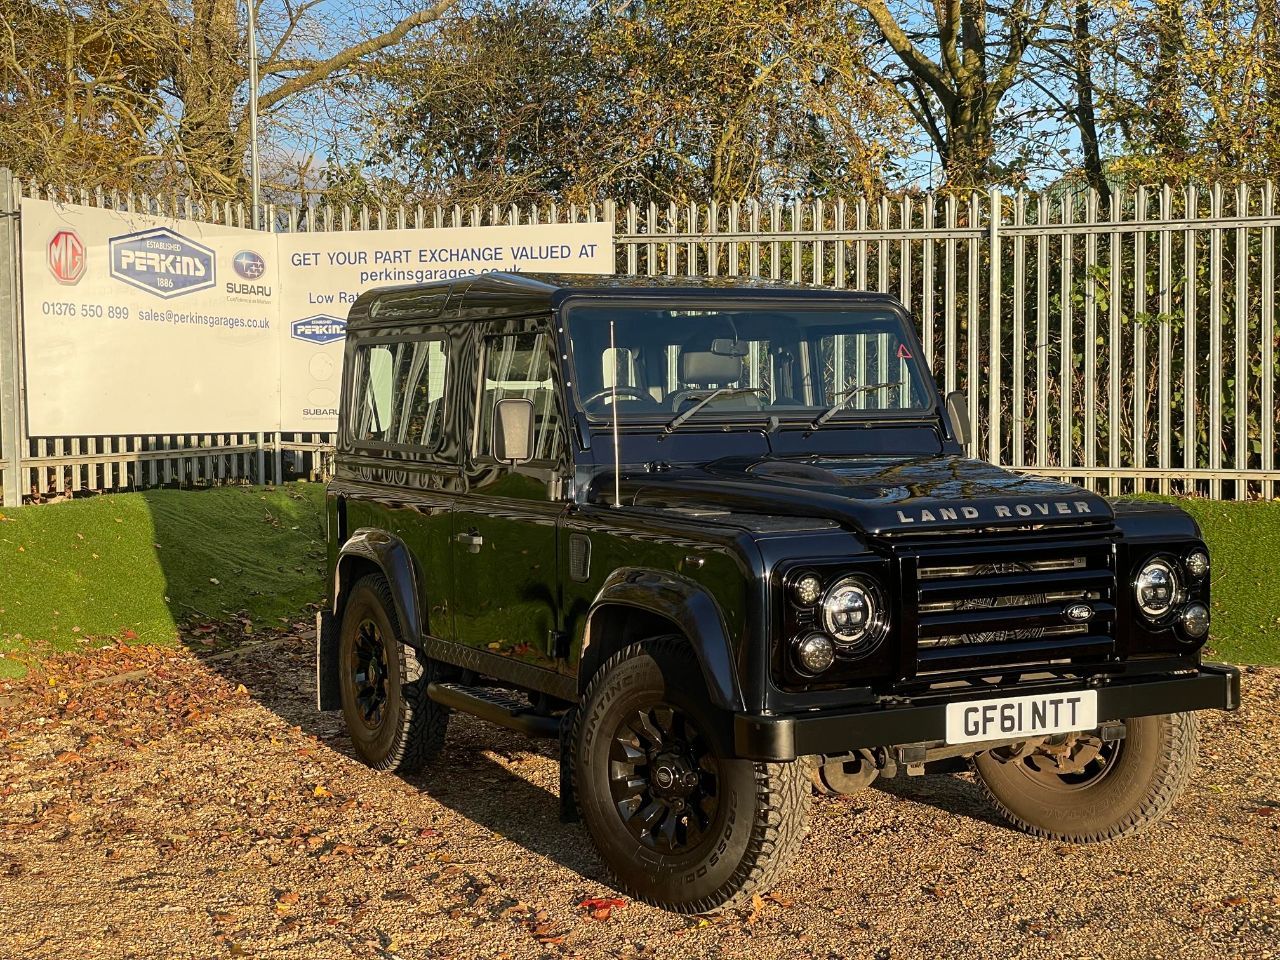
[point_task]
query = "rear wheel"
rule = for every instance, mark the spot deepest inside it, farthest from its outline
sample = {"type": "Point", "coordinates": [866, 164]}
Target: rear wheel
{"type": "Point", "coordinates": [678, 824]}
{"type": "Point", "coordinates": [383, 681]}
{"type": "Point", "coordinates": [1083, 789]}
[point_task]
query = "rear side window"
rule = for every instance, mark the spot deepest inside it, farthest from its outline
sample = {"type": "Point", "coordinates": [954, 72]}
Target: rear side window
{"type": "Point", "coordinates": [398, 394]}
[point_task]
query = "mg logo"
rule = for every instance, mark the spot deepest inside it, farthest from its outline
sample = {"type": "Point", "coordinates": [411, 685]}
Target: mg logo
{"type": "Point", "coordinates": [318, 329]}
{"type": "Point", "coordinates": [66, 257]}
{"type": "Point", "coordinates": [162, 262]}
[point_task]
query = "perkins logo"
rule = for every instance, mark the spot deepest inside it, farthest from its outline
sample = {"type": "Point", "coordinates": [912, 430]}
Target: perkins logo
{"type": "Point", "coordinates": [318, 329]}
{"type": "Point", "coordinates": [162, 262]}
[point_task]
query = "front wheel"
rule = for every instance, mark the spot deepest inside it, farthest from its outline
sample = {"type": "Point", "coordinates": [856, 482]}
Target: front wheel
{"type": "Point", "coordinates": [678, 824]}
{"type": "Point", "coordinates": [1082, 789]}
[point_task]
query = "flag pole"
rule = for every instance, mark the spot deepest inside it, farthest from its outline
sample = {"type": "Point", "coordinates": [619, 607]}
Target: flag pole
{"type": "Point", "coordinates": [253, 113]}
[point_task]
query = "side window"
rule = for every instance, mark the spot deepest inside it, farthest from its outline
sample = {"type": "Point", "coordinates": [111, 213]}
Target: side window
{"type": "Point", "coordinates": [519, 365]}
{"type": "Point", "coordinates": [399, 394]}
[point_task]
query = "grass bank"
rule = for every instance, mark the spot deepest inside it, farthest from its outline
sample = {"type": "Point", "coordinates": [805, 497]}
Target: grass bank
{"type": "Point", "coordinates": [147, 567]}
{"type": "Point", "coordinates": [1243, 540]}
{"type": "Point", "coordinates": [144, 567]}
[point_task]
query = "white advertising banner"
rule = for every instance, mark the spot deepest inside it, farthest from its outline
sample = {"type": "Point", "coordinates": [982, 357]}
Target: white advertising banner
{"type": "Point", "coordinates": [323, 273]}
{"type": "Point", "coordinates": [140, 325]}
{"type": "Point", "coordinates": [130, 325]}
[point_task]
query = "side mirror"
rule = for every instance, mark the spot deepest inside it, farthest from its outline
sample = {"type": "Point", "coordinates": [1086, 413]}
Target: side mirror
{"type": "Point", "coordinates": [513, 430]}
{"type": "Point", "coordinates": [958, 414]}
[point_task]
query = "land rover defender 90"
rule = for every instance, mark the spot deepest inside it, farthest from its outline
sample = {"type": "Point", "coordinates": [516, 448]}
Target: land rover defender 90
{"type": "Point", "coordinates": [723, 540]}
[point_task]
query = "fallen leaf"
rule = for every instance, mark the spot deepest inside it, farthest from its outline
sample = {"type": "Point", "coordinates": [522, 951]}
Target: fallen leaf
{"type": "Point", "coordinates": [599, 908]}
{"type": "Point", "coordinates": [322, 791]}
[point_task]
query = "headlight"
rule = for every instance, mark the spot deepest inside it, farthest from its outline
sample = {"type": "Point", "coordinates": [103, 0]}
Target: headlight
{"type": "Point", "coordinates": [854, 614]}
{"type": "Point", "coordinates": [1156, 588]}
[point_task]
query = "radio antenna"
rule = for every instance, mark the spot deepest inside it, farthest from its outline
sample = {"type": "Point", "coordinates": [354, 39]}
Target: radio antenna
{"type": "Point", "coordinates": [613, 403]}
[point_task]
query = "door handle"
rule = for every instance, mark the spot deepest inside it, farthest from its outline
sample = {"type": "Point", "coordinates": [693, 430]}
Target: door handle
{"type": "Point", "coordinates": [471, 540]}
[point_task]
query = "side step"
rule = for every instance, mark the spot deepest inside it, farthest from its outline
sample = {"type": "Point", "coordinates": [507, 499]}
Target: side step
{"type": "Point", "coordinates": [496, 706]}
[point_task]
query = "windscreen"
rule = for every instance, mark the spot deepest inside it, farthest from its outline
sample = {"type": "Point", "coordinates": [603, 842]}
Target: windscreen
{"type": "Point", "coordinates": [766, 360]}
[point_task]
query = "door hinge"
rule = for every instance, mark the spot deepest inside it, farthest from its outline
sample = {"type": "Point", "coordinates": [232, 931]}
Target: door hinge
{"type": "Point", "coordinates": [558, 644]}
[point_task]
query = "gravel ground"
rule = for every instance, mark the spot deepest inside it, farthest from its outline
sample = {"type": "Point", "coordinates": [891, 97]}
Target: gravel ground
{"type": "Point", "coordinates": [201, 808]}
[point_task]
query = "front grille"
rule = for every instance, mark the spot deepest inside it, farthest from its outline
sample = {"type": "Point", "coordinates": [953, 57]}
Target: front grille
{"type": "Point", "coordinates": [1012, 608]}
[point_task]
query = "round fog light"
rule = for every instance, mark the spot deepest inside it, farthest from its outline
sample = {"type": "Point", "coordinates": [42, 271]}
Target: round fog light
{"type": "Point", "coordinates": [1195, 620]}
{"type": "Point", "coordinates": [815, 653]}
{"type": "Point", "coordinates": [808, 589]}
{"type": "Point", "coordinates": [1197, 563]}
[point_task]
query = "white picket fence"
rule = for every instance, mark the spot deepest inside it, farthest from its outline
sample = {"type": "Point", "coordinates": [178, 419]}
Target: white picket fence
{"type": "Point", "coordinates": [1127, 344]}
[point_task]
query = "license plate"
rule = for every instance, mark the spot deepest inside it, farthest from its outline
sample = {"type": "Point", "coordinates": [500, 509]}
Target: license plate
{"type": "Point", "coordinates": [1031, 716]}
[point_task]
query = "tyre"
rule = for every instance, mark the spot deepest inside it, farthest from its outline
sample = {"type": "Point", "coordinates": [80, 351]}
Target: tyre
{"type": "Point", "coordinates": [679, 825]}
{"type": "Point", "coordinates": [1087, 790]}
{"type": "Point", "coordinates": [383, 681]}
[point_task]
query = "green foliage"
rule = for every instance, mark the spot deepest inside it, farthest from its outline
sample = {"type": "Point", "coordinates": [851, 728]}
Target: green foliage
{"type": "Point", "coordinates": [1245, 595]}
{"type": "Point", "coordinates": [136, 567]}
{"type": "Point", "coordinates": [523, 101]}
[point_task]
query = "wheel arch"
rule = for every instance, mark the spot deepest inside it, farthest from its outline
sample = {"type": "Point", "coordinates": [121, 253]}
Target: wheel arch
{"type": "Point", "coordinates": [368, 550]}
{"type": "Point", "coordinates": [636, 603]}
{"type": "Point", "coordinates": [371, 550]}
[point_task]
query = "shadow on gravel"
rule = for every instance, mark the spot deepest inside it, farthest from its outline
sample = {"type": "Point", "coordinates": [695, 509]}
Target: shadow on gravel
{"type": "Point", "coordinates": [488, 794]}
{"type": "Point", "coordinates": [281, 677]}
{"type": "Point", "coordinates": [948, 792]}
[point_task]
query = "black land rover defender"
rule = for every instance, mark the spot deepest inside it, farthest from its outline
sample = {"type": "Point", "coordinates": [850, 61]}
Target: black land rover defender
{"type": "Point", "coordinates": [722, 540]}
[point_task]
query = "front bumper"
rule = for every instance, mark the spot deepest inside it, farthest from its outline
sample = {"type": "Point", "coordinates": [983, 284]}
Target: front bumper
{"type": "Point", "coordinates": [785, 737]}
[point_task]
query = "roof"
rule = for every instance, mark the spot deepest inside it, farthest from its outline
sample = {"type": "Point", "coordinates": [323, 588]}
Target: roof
{"type": "Point", "coordinates": [498, 294]}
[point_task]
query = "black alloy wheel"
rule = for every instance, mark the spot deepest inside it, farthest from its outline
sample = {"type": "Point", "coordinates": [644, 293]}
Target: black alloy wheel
{"type": "Point", "coordinates": [383, 681]}
{"type": "Point", "coordinates": [369, 674]}
{"type": "Point", "coordinates": [679, 821]}
{"type": "Point", "coordinates": [664, 778]}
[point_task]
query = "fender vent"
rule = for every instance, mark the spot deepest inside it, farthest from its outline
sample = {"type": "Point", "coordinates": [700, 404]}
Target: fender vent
{"type": "Point", "coordinates": [579, 557]}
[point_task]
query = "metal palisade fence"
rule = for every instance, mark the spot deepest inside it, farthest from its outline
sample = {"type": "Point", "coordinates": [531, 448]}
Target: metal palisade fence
{"type": "Point", "coordinates": [1127, 343]}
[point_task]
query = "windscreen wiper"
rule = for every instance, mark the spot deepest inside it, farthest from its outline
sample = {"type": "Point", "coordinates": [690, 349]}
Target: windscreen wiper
{"type": "Point", "coordinates": [674, 425]}
{"type": "Point", "coordinates": [846, 395]}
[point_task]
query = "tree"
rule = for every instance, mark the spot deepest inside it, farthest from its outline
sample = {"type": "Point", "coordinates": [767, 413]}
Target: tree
{"type": "Point", "coordinates": [208, 68]}
{"type": "Point", "coordinates": [80, 89]}
{"type": "Point", "coordinates": [169, 79]}
{"type": "Point", "coordinates": [955, 95]}
{"type": "Point", "coordinates": [661, 100]}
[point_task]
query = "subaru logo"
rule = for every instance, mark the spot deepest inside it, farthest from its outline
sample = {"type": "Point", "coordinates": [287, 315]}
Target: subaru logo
{"type": "Point", "coordinates": [318, 329]}
{"type": "Point", "coordinates": [249, 264]}
{"type": "Point", "coordinates": [1079, 612]}
{"type": "Point", "coordinates": [162, 262]}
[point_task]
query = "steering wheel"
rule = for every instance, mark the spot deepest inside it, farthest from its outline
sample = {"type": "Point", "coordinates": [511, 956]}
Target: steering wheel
{"type": "Point", "coordinates": [635, 393]}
